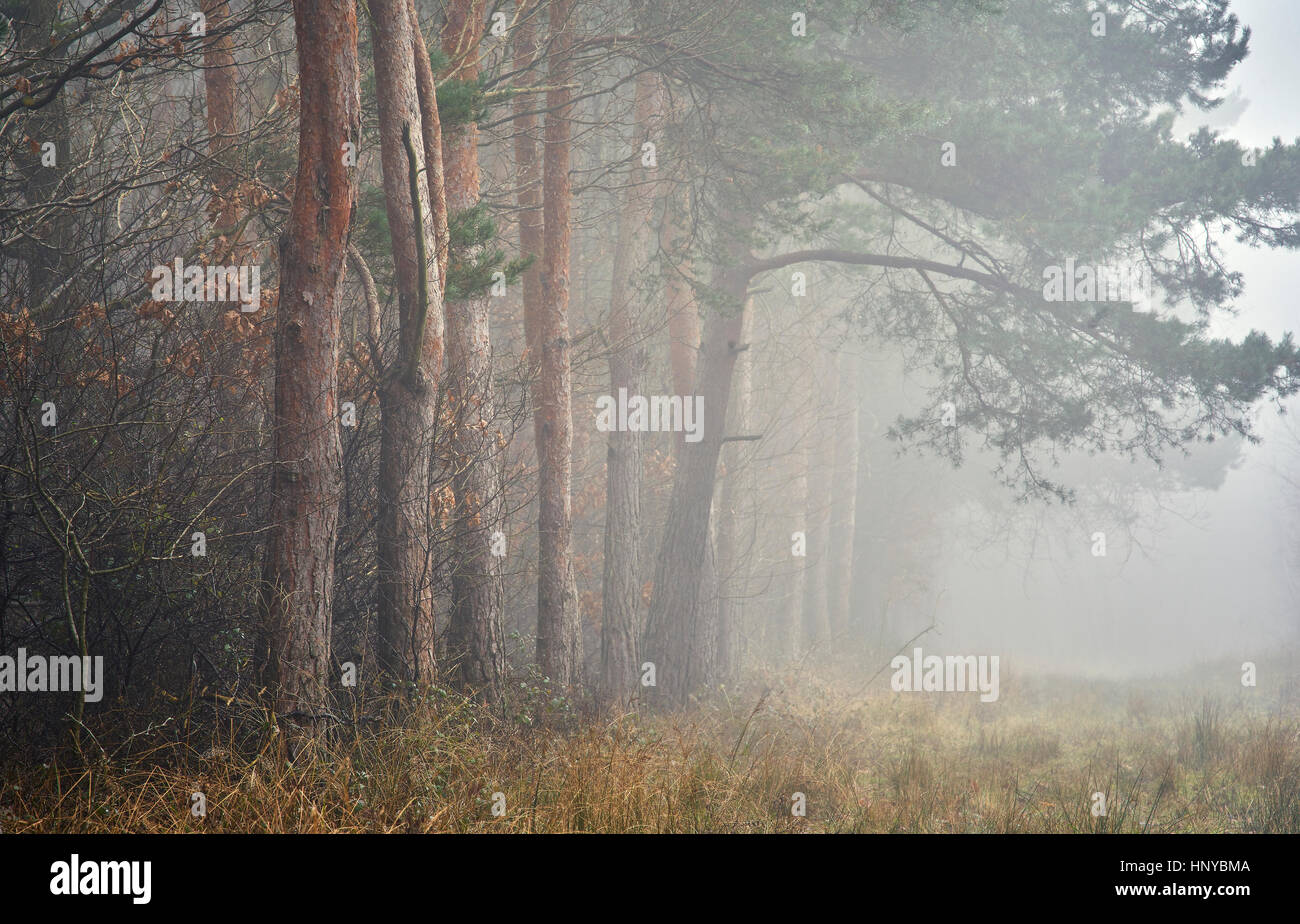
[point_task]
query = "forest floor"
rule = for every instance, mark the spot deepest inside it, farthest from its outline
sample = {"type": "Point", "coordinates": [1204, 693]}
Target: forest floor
{"type": "Point", "coordinates": [1170, 755]}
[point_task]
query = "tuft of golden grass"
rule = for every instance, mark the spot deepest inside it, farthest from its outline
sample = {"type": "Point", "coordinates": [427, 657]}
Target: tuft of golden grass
{"type": "Point", "coordinates": [874, 762]}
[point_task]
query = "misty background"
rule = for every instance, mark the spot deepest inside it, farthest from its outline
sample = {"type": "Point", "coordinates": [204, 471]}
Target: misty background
{"type": "Point", "coordinates": [1201, 574]}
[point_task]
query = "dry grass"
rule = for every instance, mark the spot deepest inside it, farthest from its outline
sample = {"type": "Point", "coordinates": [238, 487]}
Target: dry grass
{"type": "Point", "coordinates": [1166, 760]}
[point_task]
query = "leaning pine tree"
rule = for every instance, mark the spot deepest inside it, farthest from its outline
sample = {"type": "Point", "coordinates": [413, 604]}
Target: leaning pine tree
{"type": "Point", "coordinates": [965, 188]}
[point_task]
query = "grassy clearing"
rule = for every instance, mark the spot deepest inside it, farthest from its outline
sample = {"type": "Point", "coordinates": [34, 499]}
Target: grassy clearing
{"type": "Point", "coordinates": [1170, 756]}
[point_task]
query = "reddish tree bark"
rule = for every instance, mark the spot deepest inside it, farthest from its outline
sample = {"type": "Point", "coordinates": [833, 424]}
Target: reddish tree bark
{"type": "Point", "coordinates": [476, 637]}
{"type": "Point", "coordinates": [559, 640]}
{"type": "Point", "coordinates": [219, 75]}
{"type": "Point", "coordinates": [299, 572]}
{"type": "Point", "coordinates": [528, 170]}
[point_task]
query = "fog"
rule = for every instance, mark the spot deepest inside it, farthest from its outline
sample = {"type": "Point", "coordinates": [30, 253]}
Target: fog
{"type": "Point", "coordinates": [1211, 576]}
{"type": "Point", "coordinates": [565, 415]}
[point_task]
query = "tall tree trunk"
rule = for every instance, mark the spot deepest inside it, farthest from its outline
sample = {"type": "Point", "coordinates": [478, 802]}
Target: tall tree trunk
{"type": "Point", "coordinates": [559, 641]}
{"type": "Point", "coordinates": [734, 496]}
{"type": "Point", "coordinates": [528, 170]}
{"type": "Point", "coordinates": [684, 353]}
{"type": "Point", "coordinates": [305, 483]}
{"type": "Point", "coordinates": [683, 313]}
{"type": "Point", "coordinates": [621, 587]}
{"type": "Point", "coordinates": [476, 642]}
{"type": "Point", "coordinates": [673, 624]}
{"type": "Point", "coordinates": [408, 394]}
{"type": "Point", "coordinates": [845, 492]}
